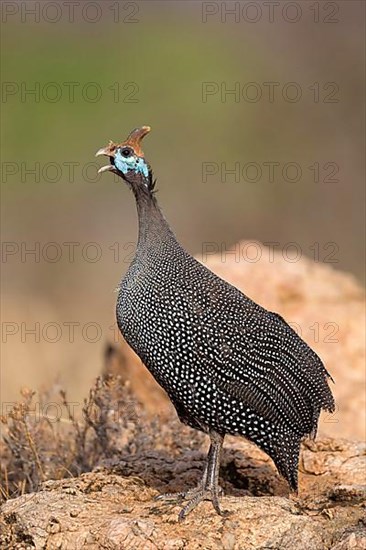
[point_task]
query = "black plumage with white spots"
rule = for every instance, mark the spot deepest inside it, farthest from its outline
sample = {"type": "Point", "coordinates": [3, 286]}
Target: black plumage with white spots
{"type": "Point", "coordinates": [225, 362]}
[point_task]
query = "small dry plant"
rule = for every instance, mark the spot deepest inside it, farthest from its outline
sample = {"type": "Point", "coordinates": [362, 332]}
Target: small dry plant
{"type": "Point", "coordinates": [45, 436]}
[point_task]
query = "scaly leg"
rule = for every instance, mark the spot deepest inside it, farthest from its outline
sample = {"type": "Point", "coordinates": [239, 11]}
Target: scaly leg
{"type": "Point", "coordinates": [208, 488]}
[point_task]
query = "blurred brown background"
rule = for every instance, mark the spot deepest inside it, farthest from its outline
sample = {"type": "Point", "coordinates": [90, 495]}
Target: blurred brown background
{"type": "Point", "coordinates": [255, 90]}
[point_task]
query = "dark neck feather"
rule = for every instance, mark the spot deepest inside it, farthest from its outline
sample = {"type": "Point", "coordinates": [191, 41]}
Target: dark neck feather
{"type": "Point", "coordinates": [153, 227]}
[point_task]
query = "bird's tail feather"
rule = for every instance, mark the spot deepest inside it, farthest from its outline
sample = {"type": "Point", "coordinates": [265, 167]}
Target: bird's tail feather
{"type": "Point", "coordinates": [284, 449]}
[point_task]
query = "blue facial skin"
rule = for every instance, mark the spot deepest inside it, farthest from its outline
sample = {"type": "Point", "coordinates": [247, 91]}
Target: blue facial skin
{"type": "Point", "coordinates": [124, 164]}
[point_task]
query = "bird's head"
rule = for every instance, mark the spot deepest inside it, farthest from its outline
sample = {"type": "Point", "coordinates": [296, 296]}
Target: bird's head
{"type": "Point", "coordinates": [127, 160]}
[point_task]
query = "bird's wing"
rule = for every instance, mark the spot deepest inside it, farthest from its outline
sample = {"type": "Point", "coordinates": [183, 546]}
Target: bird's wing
{"type": "Point", "coordinates": [256, 357]}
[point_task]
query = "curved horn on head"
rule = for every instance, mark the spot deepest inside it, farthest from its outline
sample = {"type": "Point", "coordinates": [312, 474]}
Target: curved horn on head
{"type": "Point", "coordinates": [135, 137]}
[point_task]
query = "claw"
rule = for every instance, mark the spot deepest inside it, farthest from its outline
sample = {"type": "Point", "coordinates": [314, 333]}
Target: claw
{"type": "Point", "coordinates": [194, 497]}
{"type": "Point", "coordinates": [200, 496]}
{"type": "Point", "coordinates": [172, 497]}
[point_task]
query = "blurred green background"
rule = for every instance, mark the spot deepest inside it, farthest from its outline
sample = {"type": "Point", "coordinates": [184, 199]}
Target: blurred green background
{"type": "Point", "coordinates": [149, 63]}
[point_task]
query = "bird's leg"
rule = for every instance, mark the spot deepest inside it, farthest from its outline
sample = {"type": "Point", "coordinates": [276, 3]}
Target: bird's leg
{"type": "Point", "coordinates": [208, 488]}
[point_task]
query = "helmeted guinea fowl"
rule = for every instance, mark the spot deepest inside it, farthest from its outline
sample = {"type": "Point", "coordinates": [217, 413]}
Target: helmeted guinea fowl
{"type": "Point", "coordinates": [228, 365]}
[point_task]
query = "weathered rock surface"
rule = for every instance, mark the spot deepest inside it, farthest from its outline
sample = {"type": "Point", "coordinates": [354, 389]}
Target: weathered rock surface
{"type": "Point", "coordinates": [114, 506]}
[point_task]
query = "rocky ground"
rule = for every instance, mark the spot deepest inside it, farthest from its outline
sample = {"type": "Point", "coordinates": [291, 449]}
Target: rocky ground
{"type": "Point", "coordinates": [114, 507]}
{"type": "Point", "coordinates": [92, 482]}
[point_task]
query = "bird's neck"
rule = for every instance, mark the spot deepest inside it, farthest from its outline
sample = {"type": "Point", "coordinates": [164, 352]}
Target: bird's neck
{"type": "Point", "coordinates": [154, 230]}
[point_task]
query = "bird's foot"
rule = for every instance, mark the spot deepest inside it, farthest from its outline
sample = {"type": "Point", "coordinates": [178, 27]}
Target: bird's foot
{"type": "Point", "coordinates": [204, 493]}
{"type": "Point", "coordinates": [183, 495]}
{"type": "Point", "coordinates": [208, 488]}
{"type": "Point", "coordinates": [194, 497]}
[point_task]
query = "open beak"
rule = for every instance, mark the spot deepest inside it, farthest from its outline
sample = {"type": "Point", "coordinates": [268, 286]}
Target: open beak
{"type": "Point", "coordinates": [108, 152]}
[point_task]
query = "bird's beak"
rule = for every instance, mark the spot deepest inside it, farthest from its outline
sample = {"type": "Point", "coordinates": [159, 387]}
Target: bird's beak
{"type": "Point", "coordinates": [103, 151]}
{"type": "Point", "coordinates": [108, 152]}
